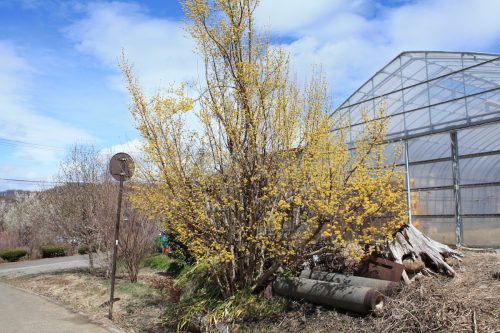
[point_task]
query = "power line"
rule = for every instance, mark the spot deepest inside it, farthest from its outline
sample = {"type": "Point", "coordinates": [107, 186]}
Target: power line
{"type": "Point", "coordinates": [29, 181]}
{"type": "Point", "coordinates": [11, 142]}
{"type": "Point", "coordinates": [35, 181]}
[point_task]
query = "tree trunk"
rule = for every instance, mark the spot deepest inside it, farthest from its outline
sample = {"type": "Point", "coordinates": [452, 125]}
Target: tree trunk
{"type": "Point", "coordinates": [259, 282]}
{"type": "Point", "coordinates": [133, 272]}
{"type": "Point", "coordinates": [409, 242]}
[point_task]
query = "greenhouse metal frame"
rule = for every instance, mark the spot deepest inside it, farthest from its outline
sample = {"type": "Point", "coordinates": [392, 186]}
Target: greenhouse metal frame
{"type": "Point", "coordinates": [443, 114]}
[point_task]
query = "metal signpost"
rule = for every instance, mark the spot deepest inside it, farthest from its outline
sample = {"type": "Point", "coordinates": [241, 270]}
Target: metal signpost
{"type": "Point", "coordinates": [121, 168]}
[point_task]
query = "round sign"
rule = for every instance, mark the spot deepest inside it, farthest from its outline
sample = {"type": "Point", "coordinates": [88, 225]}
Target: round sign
{"type": "Point", "coordinates": [121, 166]}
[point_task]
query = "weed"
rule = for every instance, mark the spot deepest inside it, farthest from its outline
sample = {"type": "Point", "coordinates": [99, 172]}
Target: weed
{"type": "Point", "coordinates": [206, 309]}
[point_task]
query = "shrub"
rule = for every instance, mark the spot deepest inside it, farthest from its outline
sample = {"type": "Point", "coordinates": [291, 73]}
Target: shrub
{"type": "Point", "coordinates": [52, 250]}
{"type": "Point", "coordinates": [175, 268]}
{"type": "Point", "coordinates": [83, 249]}
{"type": "Point", "coordinates": [158, 245]}
{"type": "Point", "coordinates": [12, 254]}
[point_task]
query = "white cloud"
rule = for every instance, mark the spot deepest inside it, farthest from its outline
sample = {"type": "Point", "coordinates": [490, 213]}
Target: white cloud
{"type": "Point", "coordinates": [19, 121]}
{"type": "Point", "coordinates": [447, 24]}
{"type": "Point", "coordinates": [132, 147]}
{"type": "Point", "coordinates": [354, 39]}
{"type": "Point", "coordinates": [350, 39]}
{"type": "Point", "coordinates": [160, 49]}
{"type": "Point", "coordinates": [290, 16]}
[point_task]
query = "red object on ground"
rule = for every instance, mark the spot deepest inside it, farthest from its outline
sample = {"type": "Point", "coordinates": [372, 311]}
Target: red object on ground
{"type": "Point", "coordinates": [166, 250]}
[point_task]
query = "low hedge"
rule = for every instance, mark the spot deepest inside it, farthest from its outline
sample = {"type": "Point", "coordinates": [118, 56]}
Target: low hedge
{"type": "Point", "coordinates": [83, 249]}
{"type": "Point", "coordinates": [12, 254]}
{"type": "Point", "coordinates": [52, 250]}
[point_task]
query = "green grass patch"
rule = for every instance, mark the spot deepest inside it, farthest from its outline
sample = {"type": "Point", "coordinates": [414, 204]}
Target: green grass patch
{"type": "Point", "coordinates": [157, 262]}
{"type": "Point", "coordinates": [160, 262]}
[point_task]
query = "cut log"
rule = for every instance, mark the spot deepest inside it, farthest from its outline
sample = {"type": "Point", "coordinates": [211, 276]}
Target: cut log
{"type": "Point", "coordinates": [409, 242]}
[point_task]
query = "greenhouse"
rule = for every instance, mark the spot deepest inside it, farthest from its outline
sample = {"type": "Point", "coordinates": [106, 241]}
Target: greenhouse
{"type": "Point", "coordinates": [443, 113]}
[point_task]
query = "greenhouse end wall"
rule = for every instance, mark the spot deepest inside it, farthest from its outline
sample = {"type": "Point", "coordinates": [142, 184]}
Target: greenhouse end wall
{"type": "Point", "coordinates": [443, 112]}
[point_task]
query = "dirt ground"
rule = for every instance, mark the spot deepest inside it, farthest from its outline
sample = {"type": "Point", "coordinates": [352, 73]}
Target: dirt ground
{"type": "Point", "coordinates": [470, 302]}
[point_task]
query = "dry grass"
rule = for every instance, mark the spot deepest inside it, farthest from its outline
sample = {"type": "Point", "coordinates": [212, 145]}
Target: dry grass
{"type": "Point", "coordinates": [449, 305]}
{"type": "Point", "coordinates": [429, 305]}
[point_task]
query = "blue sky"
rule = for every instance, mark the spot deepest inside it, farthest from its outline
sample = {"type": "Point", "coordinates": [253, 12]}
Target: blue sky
{"type": "Point", "coordinates": [60, 84]}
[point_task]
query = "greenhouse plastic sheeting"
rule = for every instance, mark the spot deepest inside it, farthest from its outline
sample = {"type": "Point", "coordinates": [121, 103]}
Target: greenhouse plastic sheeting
{"type": "Point", "coordinates": [444, 107]}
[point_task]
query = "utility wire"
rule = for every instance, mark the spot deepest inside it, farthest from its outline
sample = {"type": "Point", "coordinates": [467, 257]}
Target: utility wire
{"type": "Point", "coordinates": [30, 181]}
{"type": "Point", "coordinates": [11, 142]}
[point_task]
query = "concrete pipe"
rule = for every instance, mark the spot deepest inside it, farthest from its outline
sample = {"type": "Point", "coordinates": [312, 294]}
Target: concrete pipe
{"type": "Point", "coordinates": [387, 288]}
{"type": "Point", "coordinates": [352, 298]}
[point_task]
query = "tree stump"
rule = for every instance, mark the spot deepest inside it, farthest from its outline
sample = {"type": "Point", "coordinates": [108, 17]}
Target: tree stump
{"type": "Point", "coordinates": [410, 243]}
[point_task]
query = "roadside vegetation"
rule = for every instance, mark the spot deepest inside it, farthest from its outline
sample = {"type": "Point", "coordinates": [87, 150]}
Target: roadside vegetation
{"type": "Point", "coordinates": [12, 254]}
{"type": "Point", "coordinates": [83, 249]}
{"type": "Point", "coordinates": [160, 303]}
{"type": "Point", "coordinates": [52, 251]}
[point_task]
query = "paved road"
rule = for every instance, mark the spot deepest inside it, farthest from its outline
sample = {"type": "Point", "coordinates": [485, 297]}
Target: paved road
{"type": "Point", "coordinates": [22, 312]}
{"type": "Point", "coordinates": [44, 265]}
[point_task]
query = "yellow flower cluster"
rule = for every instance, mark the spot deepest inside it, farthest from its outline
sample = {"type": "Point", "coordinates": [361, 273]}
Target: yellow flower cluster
{"type": "Point", "coordinates": [266, 180]}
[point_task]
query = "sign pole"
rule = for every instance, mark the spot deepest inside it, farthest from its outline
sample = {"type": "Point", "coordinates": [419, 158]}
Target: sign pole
{"type": "Point", "coordinates": [115, 250]}
{"type": "Point", "coordinates": [121, 167]}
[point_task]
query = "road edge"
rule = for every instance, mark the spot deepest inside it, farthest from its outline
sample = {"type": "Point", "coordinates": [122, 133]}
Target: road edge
{"type": "Point", "coordinates": [102, 322]}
